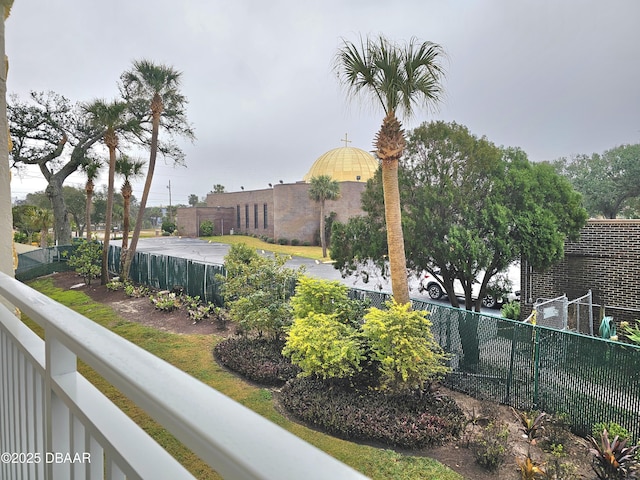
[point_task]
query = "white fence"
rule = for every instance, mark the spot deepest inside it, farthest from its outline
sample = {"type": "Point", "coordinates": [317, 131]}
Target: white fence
{"type": "Point", "coordinates": [55, 425]}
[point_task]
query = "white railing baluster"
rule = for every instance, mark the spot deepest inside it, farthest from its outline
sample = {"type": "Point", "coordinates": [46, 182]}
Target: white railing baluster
{"type": "Point", "coordinates": [45, 404]}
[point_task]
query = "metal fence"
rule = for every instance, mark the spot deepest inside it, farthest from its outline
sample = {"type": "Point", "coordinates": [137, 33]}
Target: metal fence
{"type": "Point", "coordinates": [562, 313]}
{"type": "Point", "coordinates": [526, 366]}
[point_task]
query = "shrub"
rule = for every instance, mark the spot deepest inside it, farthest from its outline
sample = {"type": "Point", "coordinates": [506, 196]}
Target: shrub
{"type": "Point", "coordinates": [136, 291]}
{"type": "Point", "coordinates": [401, 340]}
{"type": "Point", "coordinates": [315, 295]}
{"type": "Point", "coordinates": [87, 260]}
{"type": "Point", "coordinates": [613, 430]}
{"type": "Point", "coordinates": [295, 242]}
{"type": "Point", "coordinates": [491, 449]}
{"type": "Point", "coordinates": [320, 344]}
{"type": "Point", "coordinates": [259, 360]}
{"type": "Point", "coordinates": [257, 290]}
{"type": "Point", "coordinates": [206, 228]}
{"type": "Point", "coordinates": [612, 458]}
{"type": "Point", "coordinates": [407, 420]}
{"type": "Point", "coordinates": [283, 241]}
{"type": "Point", "coordinates": [115, 285]}
{"type": "Point", "coordinates": [165, 301]}
{"type": "Point", "coordinates": [168, 227]}
{"type": "Point", "coordinates": [511, 310]}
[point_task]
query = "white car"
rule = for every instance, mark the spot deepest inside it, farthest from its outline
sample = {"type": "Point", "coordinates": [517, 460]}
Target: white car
{"type": "Point", "coordinates": [508, 281]}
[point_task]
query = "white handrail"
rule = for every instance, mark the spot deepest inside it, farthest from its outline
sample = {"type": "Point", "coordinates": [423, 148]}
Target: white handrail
{"type": "Point", "coordinates": [233, 440]}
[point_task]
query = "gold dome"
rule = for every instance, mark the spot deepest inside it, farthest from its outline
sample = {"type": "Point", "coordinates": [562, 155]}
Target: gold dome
{"type": "Point", "coordinates": [344, 164]}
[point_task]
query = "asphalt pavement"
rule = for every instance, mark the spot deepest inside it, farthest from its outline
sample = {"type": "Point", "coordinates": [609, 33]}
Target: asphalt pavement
{"type": "Point", "coordinates": [212, 252]}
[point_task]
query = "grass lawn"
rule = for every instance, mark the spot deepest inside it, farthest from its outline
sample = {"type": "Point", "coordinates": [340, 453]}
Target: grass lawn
{"type": "Point", "coordinates": [314, 253]}
{"type": "Point", "coordinates": [193, 354]}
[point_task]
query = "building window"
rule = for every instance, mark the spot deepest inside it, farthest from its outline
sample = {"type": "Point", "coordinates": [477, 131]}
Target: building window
{"type": "Point", "coordinates": [264, 207]}
{"type": "Point", "coordinates": [255, 216]}
{"type": "Point", "coordinates": [238, 217]}
{"type": "Point", "coordinates": [246, 217]}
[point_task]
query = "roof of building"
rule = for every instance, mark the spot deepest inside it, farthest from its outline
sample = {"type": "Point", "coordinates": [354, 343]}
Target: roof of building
{"type": "Point", "coordinates": [344, 164]}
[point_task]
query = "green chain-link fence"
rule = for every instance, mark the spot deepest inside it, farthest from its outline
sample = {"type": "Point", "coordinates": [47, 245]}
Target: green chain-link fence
{"type": "Point", "coordinates": [529, 367]}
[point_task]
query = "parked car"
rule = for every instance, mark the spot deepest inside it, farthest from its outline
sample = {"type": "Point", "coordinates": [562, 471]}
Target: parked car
{"type": "Point", "coordinates": [507, 281]}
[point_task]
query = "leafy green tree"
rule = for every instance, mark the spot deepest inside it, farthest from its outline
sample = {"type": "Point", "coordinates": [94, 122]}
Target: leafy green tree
{"type": "Point", "coordinates": [75, 199]}
{"type": "Point", "coordinates": [168, 226]}
{"type": "Point", "coordinates": [153, 93]}
{"type": "Point", "coordinates": [218, 188]}
{"type": "Point", "coordinates": [398, 78]}
{"type": "Point", "coordinates": [607, 182]}
{"type": "Point", "coordinates": [323, 188]}
{"type": "Point", "coordinates": [23, 220]}
{"type": "Point", "coordinates": [401, 340]}
{"type": "Point", "coordinates": [87, 259]}
{"type": "Point", "coordinates": [42, 130]}
{"type": "Point", "coordinates": [257, 290]}
{"type": "Point", "coordinates": [470, 207]}
{"type": "Point", "coordinates": [128, 169]}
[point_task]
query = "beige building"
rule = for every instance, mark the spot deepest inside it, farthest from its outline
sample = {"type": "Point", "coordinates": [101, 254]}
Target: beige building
{"type": "Point", "coordinates": [284, 211]}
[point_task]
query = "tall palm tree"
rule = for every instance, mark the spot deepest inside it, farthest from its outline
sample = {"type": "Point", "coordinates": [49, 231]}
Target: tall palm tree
{"type": "Point", "coordinates": [91, 170]}
{"type": "Point", "coordinates": [113, 117]}
{"type": "Point", "coordinates": [153, 91]}
{"type": "Point", "coordinates": [323, 188]}
{"type": "Point", "coordinates": [128, 169]}
{"type": "Point", "coordinates": [399, 78]}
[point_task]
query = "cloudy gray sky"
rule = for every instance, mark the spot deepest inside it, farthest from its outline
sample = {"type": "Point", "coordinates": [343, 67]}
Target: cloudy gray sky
{"type": "Point", "coordinates": [555, 78]}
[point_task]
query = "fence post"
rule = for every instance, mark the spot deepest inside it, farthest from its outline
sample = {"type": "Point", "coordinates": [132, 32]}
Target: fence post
{"type": "Point", "coordinates": [536, 365]}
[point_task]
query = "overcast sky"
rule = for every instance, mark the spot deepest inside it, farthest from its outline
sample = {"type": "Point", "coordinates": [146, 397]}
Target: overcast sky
{"type": "Point", "coordinates": [555, 78]}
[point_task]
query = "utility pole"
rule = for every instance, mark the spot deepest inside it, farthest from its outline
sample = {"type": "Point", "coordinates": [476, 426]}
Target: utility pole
{"type": "Point", "coordinates": [170, 211]}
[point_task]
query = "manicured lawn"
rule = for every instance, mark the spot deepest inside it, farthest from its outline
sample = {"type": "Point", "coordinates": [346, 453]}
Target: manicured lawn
{"type": "Point", "coordinates": [192, 354]}
{"type": "Point", "coordinates": [314, 253]}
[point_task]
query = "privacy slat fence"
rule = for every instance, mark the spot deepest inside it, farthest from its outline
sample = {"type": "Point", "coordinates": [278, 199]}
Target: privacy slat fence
{"type": "Point", "coordinates": [528, 367]}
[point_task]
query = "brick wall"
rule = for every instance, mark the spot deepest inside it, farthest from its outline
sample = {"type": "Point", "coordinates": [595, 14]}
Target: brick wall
{"type": "Point", "coordinates": [290, 213]}
{"type": "Point", "coordinates": [606, 259]}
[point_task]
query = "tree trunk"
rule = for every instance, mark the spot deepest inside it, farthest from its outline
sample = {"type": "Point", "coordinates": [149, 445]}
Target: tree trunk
{"type": "Point", "coordinates": [62, 225]}
{"type": "Point", "coordinates": [112, 142]}
{"type": "Point", "coordinates": [126, 198]}
{"type": "Point", "coordinates": [389, 146]}
{"type": "Point", "coordinates": [147, 187]}
{"type": "Point", "coordinates": [323, 239]}
{"type": "Point", "coordinates": [88, 206]}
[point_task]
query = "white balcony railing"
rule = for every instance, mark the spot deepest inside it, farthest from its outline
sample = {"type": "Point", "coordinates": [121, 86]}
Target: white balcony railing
{"type": "Point", "coordinates": [55, 425]}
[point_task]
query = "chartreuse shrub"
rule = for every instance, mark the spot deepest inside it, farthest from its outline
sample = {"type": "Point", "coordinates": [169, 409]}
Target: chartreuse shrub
{"type": "Point", "coordinates": [366, 375]}
{"type": "Point", "coordinates": [401, 340]}
{"type": "Point", "coordinates": [322, 345]}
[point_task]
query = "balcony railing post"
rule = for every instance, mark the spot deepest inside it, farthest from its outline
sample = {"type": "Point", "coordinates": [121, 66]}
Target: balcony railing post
{"type": "Point", "coordinates": [59, 361]}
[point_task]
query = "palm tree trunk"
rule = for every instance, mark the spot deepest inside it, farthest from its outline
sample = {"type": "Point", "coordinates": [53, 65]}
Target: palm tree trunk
{"type": "Point", "coordinates": [104, 275]}
{"type": "Point", "coordinates": [89, 204]}
{"type": "Point", "coordinates": [395, 237]}
{"type": "Point", "coordinates": [323, 240]}
{"type": "Point", "coordinates": [145, 194]}
{"type": "Point", "coordinates": [389, 147]}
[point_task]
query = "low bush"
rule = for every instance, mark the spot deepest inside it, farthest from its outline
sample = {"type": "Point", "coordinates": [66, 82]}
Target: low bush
{"type": "Point", "coordinates": [409, 420]}
{"type": "Point", "coordinates": [492, 447]}
{"type": "Point", "coordinates": [165, 301]}
{"type": "Point", "coordinates": [258, 359]}
{"type": "Point", "coordinates": [283, 241]}
{"type": "Point", "coordinates": [295, 242]}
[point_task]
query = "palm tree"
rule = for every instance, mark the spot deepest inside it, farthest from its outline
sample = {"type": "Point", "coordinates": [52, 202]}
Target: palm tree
{"type": "Point", "coordinates": [91, 170]}
{"type": "Point", "coordinates": [153, 92]}
{"type": "Point", "coordinates": [42, 219]}
{"type": "Point", "coordinates": [113, 117]}
{"type": "Point", "coordinates": [323, 188]}
{"type": "Point", "coordinates": [397, 77]}
{"type": "Point", "coordinates": [128, 169]}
